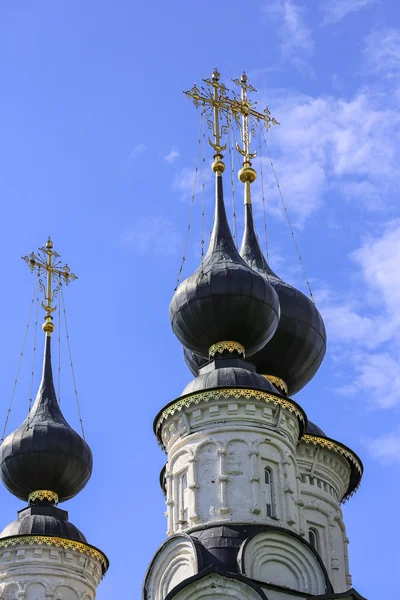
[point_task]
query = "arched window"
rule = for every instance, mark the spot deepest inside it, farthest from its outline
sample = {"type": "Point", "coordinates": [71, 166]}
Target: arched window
{"type": "Point", "coordinates": [269, 492]}
{"type": "Point", "coordinates": [11, 592]}
{"type": "Point", "coordinates": [183, 499]}
{"type": "Point", "coordinates": [313, 538]}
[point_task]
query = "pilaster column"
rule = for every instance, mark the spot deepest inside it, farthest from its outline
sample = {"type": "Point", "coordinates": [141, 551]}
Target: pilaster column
{"type": "Point", "coordinates": [169, 503]}
{"type": "Point", "coordinates": [193, 486]}
{"type": "Point", "coordinates": [255, 481]}
{"type": "Point", "coordinates": [223, 481]}
{"type": "Point", "coordinates": [288, 491]}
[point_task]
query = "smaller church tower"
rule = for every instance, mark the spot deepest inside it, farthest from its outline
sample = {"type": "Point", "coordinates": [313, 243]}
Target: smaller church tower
{"type": "Point", "coordinates": [43, 556]}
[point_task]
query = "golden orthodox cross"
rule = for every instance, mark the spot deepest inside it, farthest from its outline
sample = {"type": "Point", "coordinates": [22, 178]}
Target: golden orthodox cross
{"type": "Point", "coordinates": [47, 260]}
{"type": "Point", "coordinates": [247, 111]}
{"type": "Point", "coordinates": [215, 97]}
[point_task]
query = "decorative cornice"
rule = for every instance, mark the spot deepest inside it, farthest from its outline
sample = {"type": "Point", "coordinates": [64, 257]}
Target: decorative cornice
{"type": "Point", "coordinates": [43, 495]}
{"type": "Point", "coordinates": [216, 394]}
{"type": "Point", "coordinates": [277, 382]}
{"type": "Point", "coordinates": [231, 346]}
{"type": "Point", "coordinates": [57, 542]}
{"type": "Point", "coordinates": [324, 443]}
{"type": "Point", "coordinates": [353, 460]}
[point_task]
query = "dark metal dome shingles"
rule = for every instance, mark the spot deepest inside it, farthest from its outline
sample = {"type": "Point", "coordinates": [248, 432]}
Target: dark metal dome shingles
{"type": "Point", "coordinates": [229, 377]}
{"type": "Point", "coordinates": [193, 361]}
{"type": "Point", "coordinates": [224, 299]}
{"type": "Point", "coordinates": [45, 452]}
{"type": "Point", "coordinates": [313, 429]}
{"type": "Point", "coordinates": [298, 346]}
{"type": "Point", "coordinates": [315, 435]}
{"type": "Point", "coordinates": [43, 521]}
{"type": "Point", "coordinates": [250, 249]}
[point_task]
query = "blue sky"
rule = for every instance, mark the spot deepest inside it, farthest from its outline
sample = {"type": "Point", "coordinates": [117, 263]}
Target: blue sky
{"type": "Point", "coordinates": [98, 148]}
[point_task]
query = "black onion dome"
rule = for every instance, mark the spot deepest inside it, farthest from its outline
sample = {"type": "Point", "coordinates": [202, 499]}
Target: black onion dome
{"type": "Point", "coordinates": [47, 520]}
{"type": "Point", "coordinates": [313, 429]}
{"type": "Point", "coordinates": [193, 361]}
{"type": "Point", "coordinates": [224, 300]}
{"type": "Point", "coordinates": [45, 452]}
{"type": "Point", "coordinates": [235, 377]}
{"type": "Point", "coordinates": [298, 346]}
{"type": "Point", "coordinates": [355, 464]}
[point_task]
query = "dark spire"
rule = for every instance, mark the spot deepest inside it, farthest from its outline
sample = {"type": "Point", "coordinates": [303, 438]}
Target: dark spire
{"type": "Point", "coordinates": [223, 307]}
{"type": "Point", "coordinates": [46, 404]}
{"type": "Point", "coordinates": [298, 346]}
{"type": "Point", "coordinates": [45, 456]}
{"type": "Point", "coordinates": [224, 300]}
{"type": "Point", "coordinates": [250, 249]}
{"type": "Point", "coordinates": [221, 240]}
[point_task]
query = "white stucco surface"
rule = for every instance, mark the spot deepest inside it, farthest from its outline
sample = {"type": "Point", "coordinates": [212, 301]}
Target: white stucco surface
{"type": "Point", "coordinates": [37, 572]}
{"type": "Point", "coordinates": [218, 453]}
{"type": "Point", "coordinates": [216, 587]}
{"type": "Point", "coordinates": [174, 563]}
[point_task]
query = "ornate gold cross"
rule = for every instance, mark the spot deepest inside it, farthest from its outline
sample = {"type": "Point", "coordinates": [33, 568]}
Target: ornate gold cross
{"type": "Point", "coordinates": [214, 97]}
{"type": "Point", "coordinates": [47, 260]}
{"type": "Point", "coordinates": [247, 111]}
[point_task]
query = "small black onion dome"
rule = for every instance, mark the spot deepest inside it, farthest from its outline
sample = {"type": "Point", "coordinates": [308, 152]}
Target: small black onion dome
{"type": "Point", "coordinates": [224, 300]}
{"type": "Point", "coordinates": [298, 346]}
{"type": "Point", "coordinates": [43, 524]}
{"type": "Point", "coordinates": [193, 361]}
{"type": "Point", "coordinates": [45, 452]}
{"type": "Point", "coordinates": [355, 463]}
{"type": "Point", "coordinates": [229, 377]}
{"type": "Point", "coordinates": [313, 429]}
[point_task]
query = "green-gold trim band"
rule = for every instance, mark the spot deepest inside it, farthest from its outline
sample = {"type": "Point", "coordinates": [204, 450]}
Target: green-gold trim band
{"type": "Point", "coordinates": [246, 393]}
{"type": "Point", "coordinates": [43, 495]}
{"type": "Point", "coordinates": [57, 542]}
{"type": "Point", "coordinates": [230, 346]}
{"type": "Point", "coordinates": [330, 445]}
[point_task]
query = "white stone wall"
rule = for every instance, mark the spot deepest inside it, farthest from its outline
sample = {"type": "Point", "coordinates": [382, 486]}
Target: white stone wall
{"type": "Point", "coordinates": [217, 455]}
{"type": "Point", "coordinates": [273, 594]}
{"type": "Point", "coordinates": [213, 586]}
{"type": "Point", "coordinates": [37, 572]}
{"type": "Point", "coordinates": [324, 477]}
{"type": "Point", "coordinates": [281, 559]}
{"type": "Point", "coordinates": [174, 563]}
{"type": "Point", "coordinates": [218, 451]}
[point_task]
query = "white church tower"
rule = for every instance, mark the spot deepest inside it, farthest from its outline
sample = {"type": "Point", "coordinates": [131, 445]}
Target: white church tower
{"type": "Point", "coordinates": [43, 556]}
{"type": "Point", "coordinates": [253, 489]}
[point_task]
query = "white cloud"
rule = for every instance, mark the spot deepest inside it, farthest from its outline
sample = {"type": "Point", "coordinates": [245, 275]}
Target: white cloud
{"type": "Point", "coordinates": [133, 155]}
{"type": "Point", "coordinates": [302, 180]}
{"type": "Point", "coordinates": [386, 448]}
{"type": "Point", "coordinates": [374, 197]}
{"type": "Point", "coordinates": [327, 142]}
{"type": "Point", "coordinates": [344, 324]}
{"type": "Point", "coordinates": [187, 181]}
{"type": "Point", "coordinates": [297, 42]}
{"type": "Point", "coordinates": [375, 378]}
{"type": "Point", "coordinates": [172, 156]}
{"type": "Point", "coordinates": [184, 182]}
{"type": "Point", "coordinates": [157, 235]}
{"type": "Point", "coordinates": [137, 151]}
{"type": "Point", "coordinates": [336, 10]}
{"type": "Point", "coordinates": [364, 326]}
{"type": "Point", "coordinates": [298, 33]}
{"type": "Point", "coordinates": [379, 259]}
{"type": "Point", "coordinates": [382, 53]}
